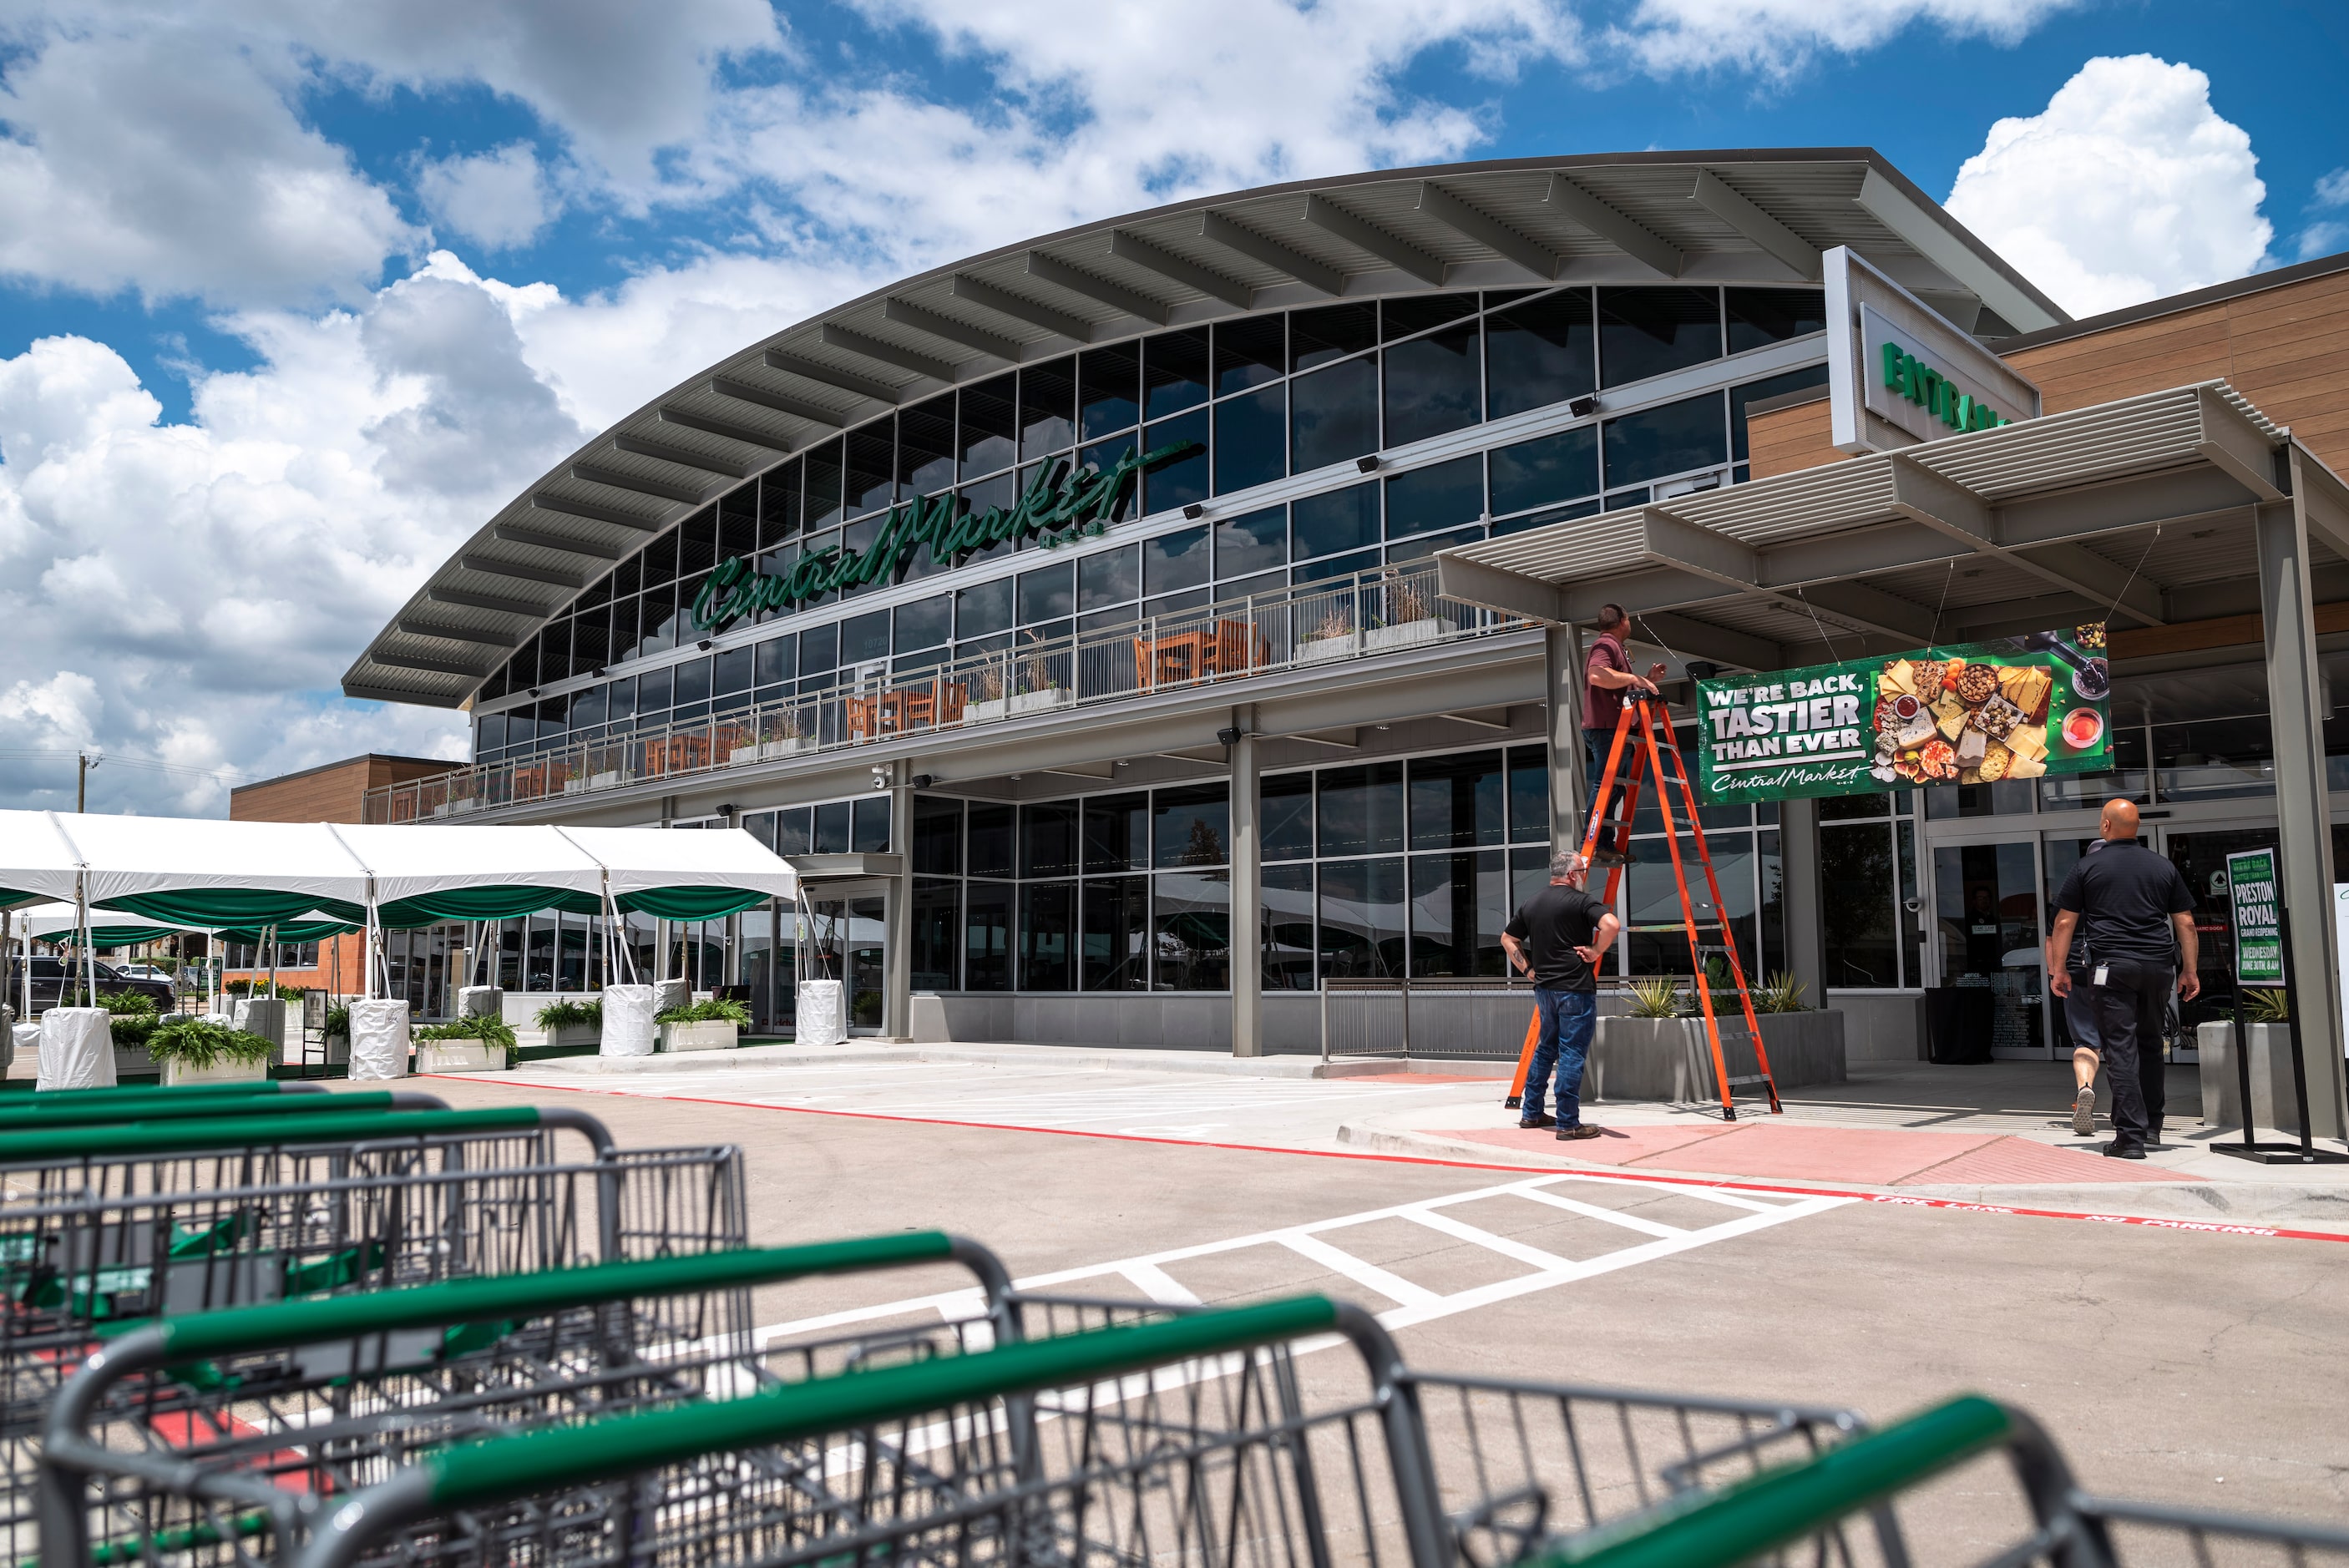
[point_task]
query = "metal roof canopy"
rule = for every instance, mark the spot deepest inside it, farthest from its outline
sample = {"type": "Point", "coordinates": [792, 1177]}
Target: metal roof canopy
{"type": "Point", "coordinates": [1738, 216]}
{"type": "Point", "coordinates": [2067, 504]}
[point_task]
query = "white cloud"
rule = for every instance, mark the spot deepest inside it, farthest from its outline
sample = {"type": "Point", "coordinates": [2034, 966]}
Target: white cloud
{"type": "Point", "coordinates": [499, 197]}
{"type": "Point", "coordinates": [1776, 37]}
{"type": "Point", "coordinates": [2128, 188]}
{"type": "Point", "coordinates": [169, 161]}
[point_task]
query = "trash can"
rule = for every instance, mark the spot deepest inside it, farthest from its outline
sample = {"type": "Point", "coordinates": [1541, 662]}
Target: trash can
{"type": "Point", "coordinates": [1957, 1024]}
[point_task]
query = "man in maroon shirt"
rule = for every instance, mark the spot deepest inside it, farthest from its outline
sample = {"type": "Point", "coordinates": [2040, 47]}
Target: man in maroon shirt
{"type": "Point", "coordinates": [1607, 676]}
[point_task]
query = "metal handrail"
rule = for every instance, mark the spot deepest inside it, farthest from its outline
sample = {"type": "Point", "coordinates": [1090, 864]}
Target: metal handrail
{"type": "Point", "coordinates": [1386, 610]}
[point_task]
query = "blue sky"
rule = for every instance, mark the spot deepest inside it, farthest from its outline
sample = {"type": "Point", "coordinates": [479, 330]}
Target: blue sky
{"type": "Point", "coordinates": [291, 296]}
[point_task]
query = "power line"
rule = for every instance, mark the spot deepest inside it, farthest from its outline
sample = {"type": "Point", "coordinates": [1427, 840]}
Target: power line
{"type": "Point", "coordinates": [116, 759]}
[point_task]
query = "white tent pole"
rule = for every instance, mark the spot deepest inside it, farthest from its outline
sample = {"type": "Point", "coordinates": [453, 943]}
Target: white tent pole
{"type": "Point", "coordinates": [375, 964]}
{"type": "Point", "coordinates": [81, 926]}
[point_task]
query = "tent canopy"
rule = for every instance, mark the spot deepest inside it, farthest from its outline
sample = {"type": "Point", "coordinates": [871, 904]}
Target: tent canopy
{"type": "Point", "coordinates": [204, 873]}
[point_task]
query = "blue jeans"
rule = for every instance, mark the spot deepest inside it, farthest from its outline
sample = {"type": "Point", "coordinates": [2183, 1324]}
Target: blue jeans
{"type": "Point", "coordinates": [1568, 1020]}
{"type": "Point", "coordinates": [1595, 746]}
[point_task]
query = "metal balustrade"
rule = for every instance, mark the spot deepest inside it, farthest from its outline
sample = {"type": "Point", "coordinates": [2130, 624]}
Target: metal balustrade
{"type": "Point", "coordinates": [1370, 614]}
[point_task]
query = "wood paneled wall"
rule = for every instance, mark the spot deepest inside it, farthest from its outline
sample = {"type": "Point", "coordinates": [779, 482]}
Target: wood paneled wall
{"type": "Point", "coordinates": [1785, 439]}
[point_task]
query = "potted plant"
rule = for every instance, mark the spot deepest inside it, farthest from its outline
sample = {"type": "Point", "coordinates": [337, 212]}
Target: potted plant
{"type": "Point", "coordinates": [711, 1026]}
{"type": "Point", "coordinates": [132, 1021]}
{"type": "Point", "coordinates": [337, 1033]}
{"type": "Point", "coordinates": [481, 1043]}
{"type": "Point", "coordinates": [1040, 686]}
{"type": "Point", "coordinates": [197, 1051]}
{"type": "Point", "coordinates": [572, 1023]}
{"type": "Point", "coordinates": [1409, 617]}
{"type": "Point", "coordinates": [987, 696]}
{"type": "Point", "coordinates": [1332, 637]}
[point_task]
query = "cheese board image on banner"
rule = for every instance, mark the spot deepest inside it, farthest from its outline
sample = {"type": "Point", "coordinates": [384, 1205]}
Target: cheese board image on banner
{"type": "Point", "coordinates": [1969, 713]}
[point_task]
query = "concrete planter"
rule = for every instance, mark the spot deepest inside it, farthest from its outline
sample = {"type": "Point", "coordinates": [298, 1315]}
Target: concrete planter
{"type": "Point", "coordinates": [339, 1050]}
{"type": "Point", "coordinates": [1045, 701]}
{"type": "Point", "coordinates": [570, 1034]}
{"type": "Point", "coordinates": [1402, 636]}
{"type": "Point", "coordinates": [459, 1056]}
{"type": "Point", "coordinates": [1671, 1059]}
{"type": "Point", "coordinates": [767, 750]}
{"type": "Point", "coordinates": [219, 1072]}
{"type": "Point", "coordinates": [1317, 650]}
{"type": "Point", "coordinates": [708, 1034]}
{"type": "Point", "coordinates": [128, 1059]}
{"type": "Point", "coordinates": [2273, 1105]}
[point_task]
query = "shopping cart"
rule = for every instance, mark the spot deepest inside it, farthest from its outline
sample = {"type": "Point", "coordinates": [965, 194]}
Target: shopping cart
{"type": "Point", "coordinates": [239, 1088]}
{"type": "Point", "coordinates": [33, 1113]}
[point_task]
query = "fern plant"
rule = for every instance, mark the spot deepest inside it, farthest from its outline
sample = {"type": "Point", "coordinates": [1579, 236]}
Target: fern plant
{"type": "Point", "coordinates": [571, 1015]}
{"type": "Point", "coordinates": [338, 1019]}
{"type": "Point", "coordinates": [717, 1010]}
{"type": "Point", "coordinates": [127, 1004]}
{"type": "Point", "coordinates": [199, 1043]}
{"type": "Point", "coordinates": [133, 1029]}
{"type": "Point", "coordinates": [487, 1027]}
{"type": "Point", "coordinates": [1656, 997]}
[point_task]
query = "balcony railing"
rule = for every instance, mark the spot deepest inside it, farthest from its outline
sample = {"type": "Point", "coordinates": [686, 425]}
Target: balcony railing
{"type": "Point", "coordinates": [1367, 614]}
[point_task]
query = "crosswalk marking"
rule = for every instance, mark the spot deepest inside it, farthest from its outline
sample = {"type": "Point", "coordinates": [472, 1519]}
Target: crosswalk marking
{"type": "Point", "coordinates": [1395, 1288]}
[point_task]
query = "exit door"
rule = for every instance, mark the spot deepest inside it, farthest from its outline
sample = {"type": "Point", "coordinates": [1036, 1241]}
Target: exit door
{"type": "Point", "coordinates": [846, 942]}
{"type": "Point", "coordinates": [1987, 907]}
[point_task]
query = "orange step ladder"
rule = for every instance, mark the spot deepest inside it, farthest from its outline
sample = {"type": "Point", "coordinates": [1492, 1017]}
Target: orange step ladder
{"type": "Point", "coordinates": [1650, 750]}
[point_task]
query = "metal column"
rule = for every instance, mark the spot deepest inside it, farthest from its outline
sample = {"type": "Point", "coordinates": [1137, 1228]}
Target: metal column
{"type": "Point", "coordinates": [2303, 829]}
{"type": "Point", "coordinates": [1247, 892]}
{"type": "Point", "coordinates": [1569, 810]}
{"type": "Point", "coordinates": [1800, 896]}
{"type": "Point", "coordinates": [898, 912]}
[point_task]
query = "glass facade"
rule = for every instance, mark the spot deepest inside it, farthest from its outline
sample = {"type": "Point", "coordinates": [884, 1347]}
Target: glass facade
{"type": "Point", "coordinates": [1265, 397]}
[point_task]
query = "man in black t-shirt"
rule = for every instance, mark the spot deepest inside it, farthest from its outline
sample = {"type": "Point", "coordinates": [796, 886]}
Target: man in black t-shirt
{"type": "Point", "coordinates": [1559, 936]}
{"type": "Point", "coordinates": [2138, 914]}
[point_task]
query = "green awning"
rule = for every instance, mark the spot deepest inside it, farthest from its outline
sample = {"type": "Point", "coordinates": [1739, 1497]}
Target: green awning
{"type": "Point", "coordinates": [690, 902]}
{"type": "Point", "coordinates": [302, 931]}
{"type": "Point", "coordinates": [126, 935]}
{"type": "Point", "coordinates": [482, 904]}
{"type": "Point", "coordinates": [215, 907]}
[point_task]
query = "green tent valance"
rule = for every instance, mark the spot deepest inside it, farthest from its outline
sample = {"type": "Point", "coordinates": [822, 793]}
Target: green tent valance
{"type": "Point", "coordinates": [126, 935]}
{"type": "Point", "coordinates": [301, 931]}
{"type": "Point", "coordinates": [690, 902]}
{"type": "Point", "coordinates": [215, 907]}
{"type": "Point", "coordinates": [482, 903]}
{"type": "Point", "coordinates": [241, 914]}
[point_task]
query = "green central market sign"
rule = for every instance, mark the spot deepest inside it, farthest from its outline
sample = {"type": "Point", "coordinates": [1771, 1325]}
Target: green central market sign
{"type": "Point", "coordinates": [1063, 502]}
{"type": "Point", "coordinates": [2254, 905]}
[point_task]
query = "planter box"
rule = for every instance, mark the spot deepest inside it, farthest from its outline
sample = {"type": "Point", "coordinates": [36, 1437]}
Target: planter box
{"type": "Point", "coordinates": [1042, 701]}
{"type": "Point", "coordinates": [1405, 635]}
{"type": "Point", "coordinates": [1671, 1059]}
{"type": "Point", "coordinates": [767, 750]}
{"type": "Point", "coordinates": [570, 1034]}
{"type": "Point", "coordinates": [219, 1072]}
{"type": "Point", "coordinates": [982, 711]}
{"type": "Point", "coordinates": [2273, 1105]}
{"type": "Point", "coordinates": [339, 1050]}
{"type": "Point", "coordinates": [709, 1034]}
{"type": "Point", "coordinates": [128, 1059]}
{"type": "Point", "coordinates": [1320, 648]}
{"type": "Point", "coordinates": [459, 1056]}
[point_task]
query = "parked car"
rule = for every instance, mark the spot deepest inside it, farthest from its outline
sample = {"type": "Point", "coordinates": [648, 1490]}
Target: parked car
{"type": "Point", "coordinates": [155, 972]}
{"type": "Point", "coordinates": [50, 981]}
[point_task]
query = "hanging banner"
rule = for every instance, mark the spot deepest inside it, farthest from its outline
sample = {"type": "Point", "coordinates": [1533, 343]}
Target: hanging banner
{"type": "Point", "coordinates": [1975, 712]}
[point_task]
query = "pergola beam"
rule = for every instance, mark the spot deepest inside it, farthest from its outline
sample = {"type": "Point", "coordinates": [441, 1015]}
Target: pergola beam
{"type": "Point", "coordinates": [880, 353]}
{"type": "Point", "coordinates": [1886, 202]}
{"type": "Point", "coordinates": [521, 608]}
{"type": "Point", "coordinates": [666, 490]}
{"type": "Point", "coordinates": [1580, 207]}
{"type": "Point", "coordinates": [1135, 251]}
{"type": "Point", "coordinates": [1100, 290]}
{"type": "Point", "coordinates": [828, 376]}
{"type": "Point", "coordinates": [946, 328]}
{"type": "Point", "coordinates": [1331, 219]}
{"type": "Point", "coordinates": [986, 297]}
{"type": "Point", "coordinates": [487, 639]}
{"type": "Point", "coordinates": [683, 456]}
{"type": "Point", "coordinates": [595, 512]}
{"type": "Point", "coordinates": [710, 424]}
{"type": "Point", "coordinates": [514, 533]}
{"type": "Point", "coordinates": [1465, 221]}
{"type": "Point", "coordinates": [781, 402]}
{"type": "Point", "coordinates": [1318, 276]}
{"type": "Point", "coordinates": [431, 665]}
{"type": "Point", "coordinates": [1775, 238]}
{"type": "Point", "coordinates": [491, 566]}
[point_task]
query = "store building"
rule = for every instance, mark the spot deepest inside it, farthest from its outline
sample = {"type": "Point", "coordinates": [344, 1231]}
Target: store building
{"type": "Point", "coordinates": [1051, 607]}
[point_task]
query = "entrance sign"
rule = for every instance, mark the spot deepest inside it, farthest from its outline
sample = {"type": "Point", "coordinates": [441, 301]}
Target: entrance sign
{"type": "Point", "coordinates": [2255, 910]}
{"type": "Point", "coordinates": [1900, 372]}
{"type": "Point", "coordinates": [1976, 713]}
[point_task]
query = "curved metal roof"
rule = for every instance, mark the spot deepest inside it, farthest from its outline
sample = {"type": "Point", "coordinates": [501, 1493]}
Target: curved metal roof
{"type": "Point", "coordinates": [1720, 216]}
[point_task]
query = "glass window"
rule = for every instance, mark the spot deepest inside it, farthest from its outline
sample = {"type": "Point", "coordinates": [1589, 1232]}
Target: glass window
{"type": "Point", "coordinates": [775, 661]}
{"type": "Point", "coordinates": [697, 545]}
{"type": "Point", "coordinates": [1117, 832]}
{"type": "Point", "coordinates": [1109, 382]}
{"type": "Point", "coordinates": [1251, 440]}
{"type": "Point", "coordinates": [923, 624]}
{"type": "Point", "coordinates": [1528, 795]}
{"type": "Point", "coordinates": [872, 467]}
{"type": "Point", "coordinates": [1109, 577]}
{"type": "Point", "coordinates": [738, 531]}
{"type": "Point", "coordinates": [1047, 407]}
{"type": "Point", "coordinates": [1362, 809]}
{"type": "Point", "coordinates": [1103, 620]}
{"type": "Point", "coordinates": [779, 504]}
{"type": "Point", "coordinates": [1434, 384]}
{"type": "Point", "coordinates": [692, 682]}
{"type": "Point", "coordinates": [1332, 332]}
{"type": "Point", "coordinates": [660, 561]}
{"type": "Point", "coordinates": [990, 425]}
{"type": "Point", "coordinates": [1048, 840]}
{"type": "Point", "coordinates": [1116, 936]}
{"type": "Point", "coordinates": [1184, 481]}
{"type": "Point", "coordinates": [925, 447]}
{"type": "Point", "coordinates": [987, 937]}
{"type": "Point", "coordinates": [1645, 332]}
{"type": "Point", "coordinates": [982, 608]}
{"type": "Point", "coordinates": [1445, 495]}
{"type": "Point", "coordinates": [820, 649]}
{"type": "Point", "coordinates": [1193, 931]}
{"type": "Point", "coordinates": [1003, 492]}
{"type": "Point", "coordinates": [732, 673]}
{"type": "Point", "coordinates": [1174, 372]}
{"type": "Point", "coordinates": [1457, 801]}
{"type": "Point", "coordinates": [1249, 352]}
{"type": "Point", "coordinates": [1690, 434]}
{"type": "Point", "coordinates": [934, 929]}
{"type": "Point", "coordinates": [1417, 312]}
{"type": "Point", "coordinates": [1363, 919]}
{"type": "Point", "coordinates": [1047, 914]}
{"type": "Point", "coordinates": [1191, 826]}
{"type": "Point", "coordinates": [1102, 458]}
{"type": "Point", "coordinates": [1540, 353]}
{"type": "Point", "coordinates": [591, 642]}
{"type": "Point", "coordinates": [869, 832]}
{"type": "Point", "coordinates": [1333, 415]}
{"type": "Point", "coordinates": [1251, 544]}
{"type": "Point", "coordinates": [1549, 469]}
{"type": "Point", "coordinates": [2214, 758]}
{"type": "Point", "coordinates": [990, 839]}
{"type": "Point", "coordinates": [1333, 565]}
{"type": "Point", "coordinates": [832, 825]}
{"type": "Point", "coordinates": [655, 691]}
{"type": "Point", "coordinates": [864, 639]}
{"type": "Point", "coordinates": [588, 706]}
{"type": "Point", "coordinates": [489, 734]}
{"type": "Point", "coordinates": [1173, 562]}
{"type": "Point", "coordinates": [1048, 593]}
{"type": "Point", "coordinates": [1739, 397]}
{"type": "Point", "coordinates": [1458, 905]}
{"type": "Point", "coordinates": [937, 836]}
{"type": "Point", "coordinates": [825, 468]}
{"type": "Point", "coordinates": [792, 830]}
{"type": "Point", "coordinates": [1762, 317]}
{"type": "Point", "coordinates": [1858, 904]}
{"type": "Point", "coordinates": [1285, 816]}
{"type": "Point", "coordinates": [1337, 520]}
{"type": "Point", "coordinates": [1285, 929]}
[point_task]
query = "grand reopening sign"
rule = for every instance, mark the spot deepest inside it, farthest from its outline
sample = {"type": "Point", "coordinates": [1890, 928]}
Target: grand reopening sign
{"type": "Point", "coordinates": [1061, 502]}
{"type": "Point", "coordinates": [1976, 713]}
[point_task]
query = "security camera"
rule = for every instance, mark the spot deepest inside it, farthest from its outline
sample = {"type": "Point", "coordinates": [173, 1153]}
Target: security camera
{"type": "Point", "coordinates": [1228, 736]}
{"type": "Point", "coordinates": [706, 644]}
{"type": "Point", "coordinates": [1582, 407]}
{"type": "Point", "coordinates": [1193, 510]}
{"type": "Point", "coordinates": [923, 780]}
{"type": "Point", "coordinates": [1369, 465]}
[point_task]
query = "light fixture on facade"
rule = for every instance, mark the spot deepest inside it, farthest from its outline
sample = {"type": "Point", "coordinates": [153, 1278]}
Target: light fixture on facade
{"type": "Point", "coordinates": [705, 644]}
{"type": "Point", "coordinates": [1582, 407]}
{"type": "Point", "coordinates": [1193, 511]}
{"type": "Point", "coordinates": [1369, 465]}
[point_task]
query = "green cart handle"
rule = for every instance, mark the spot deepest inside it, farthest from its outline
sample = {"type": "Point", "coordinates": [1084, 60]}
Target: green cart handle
{"type": "Point", "coordinates": [48, 1097]}
{"type": "Point", "coordinates": [1777, 1508]}
{"type": "Point", "coordinates": [165, 1107]}
{"type": "Point", "coordinates": [499, 1470]}
{"type": "Point", "coordinates": [69, 1145]}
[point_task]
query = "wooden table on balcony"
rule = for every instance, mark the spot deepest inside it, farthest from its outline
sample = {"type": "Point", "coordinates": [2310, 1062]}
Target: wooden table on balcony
{"type": "Point", "coordinates": [908, 709]}
{"type": "Point", "coordinates": [1202, 653]}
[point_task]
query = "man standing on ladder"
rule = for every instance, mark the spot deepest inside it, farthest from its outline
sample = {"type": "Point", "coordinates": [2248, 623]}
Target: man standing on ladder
{"type": "Point", "coordinates": [1607, 671]}
{"type": "Point", "coordinates": [1567, 931]}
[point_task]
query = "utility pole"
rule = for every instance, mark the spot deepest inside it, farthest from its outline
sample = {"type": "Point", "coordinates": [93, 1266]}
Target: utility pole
{"type": "Point", "coordinates": [81, 780]}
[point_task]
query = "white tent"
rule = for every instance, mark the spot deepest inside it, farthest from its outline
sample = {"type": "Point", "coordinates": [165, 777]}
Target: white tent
{"type": "Point", "coordinates": [640, 861]}
{"type": "Point", "coordinates": [414, 861]}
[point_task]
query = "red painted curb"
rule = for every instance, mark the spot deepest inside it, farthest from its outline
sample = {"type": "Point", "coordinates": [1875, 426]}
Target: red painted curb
{"type": "Point", "coordinates": [1902, 1201]}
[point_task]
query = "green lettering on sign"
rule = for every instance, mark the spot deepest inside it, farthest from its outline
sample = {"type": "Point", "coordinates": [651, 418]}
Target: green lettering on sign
{"type": "Point", "coordinates": [1063, 502]}
{"type": "Point", "coordinates": [2255, 908]}
{"type": "Point", "coordinates": [1930, 390]}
